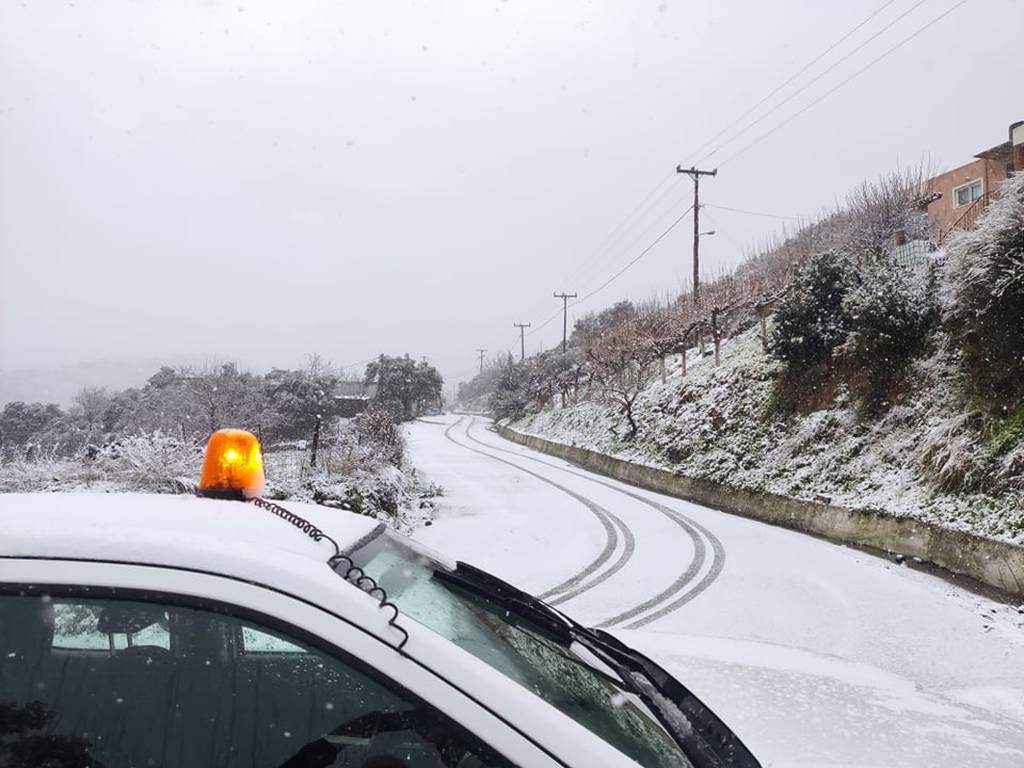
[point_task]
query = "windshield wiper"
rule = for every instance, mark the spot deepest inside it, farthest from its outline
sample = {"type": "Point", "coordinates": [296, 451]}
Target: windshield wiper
{"type": "Point", "coordinates": [513, 601]}
{"type": "Point", "coordinates": [706, 740]}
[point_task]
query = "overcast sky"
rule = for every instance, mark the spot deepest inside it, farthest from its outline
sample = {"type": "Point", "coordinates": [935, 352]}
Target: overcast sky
{"type": "Point", "coordinates": [260, 181]}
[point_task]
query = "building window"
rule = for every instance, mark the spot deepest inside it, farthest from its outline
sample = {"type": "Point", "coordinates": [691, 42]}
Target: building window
{"type": "Point", "coordinates": [967, 194]}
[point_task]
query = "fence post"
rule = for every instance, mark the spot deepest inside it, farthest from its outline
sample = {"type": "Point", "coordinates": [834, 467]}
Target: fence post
{"type": "Point", "coordinates": [316, 442]}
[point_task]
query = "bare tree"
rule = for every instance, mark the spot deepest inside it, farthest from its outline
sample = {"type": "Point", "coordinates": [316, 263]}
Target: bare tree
{"type": "Point", "coordinates": [622, 359]}
{"type": "Point", "coordinates": [317, 366]}
{"type": "Point", "coordinates": [720, 300]}
{"type": "Point", "coordinates": [876, 211]}
{"type": "Point", "coordinates": [685, 319]}
{"type": "Point", "coordinates": [89, 404]}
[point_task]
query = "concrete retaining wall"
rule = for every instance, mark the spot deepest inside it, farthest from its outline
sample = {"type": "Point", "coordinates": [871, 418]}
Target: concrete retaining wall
{"type": "Point", "coordinates": [991, 562]}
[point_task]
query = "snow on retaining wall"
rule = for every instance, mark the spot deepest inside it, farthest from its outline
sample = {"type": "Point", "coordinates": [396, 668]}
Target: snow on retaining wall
{"type": "Point", "coordinates": [995, 563]}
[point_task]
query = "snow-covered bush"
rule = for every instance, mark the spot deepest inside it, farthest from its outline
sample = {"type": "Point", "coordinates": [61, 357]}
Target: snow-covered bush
{"type": "Point", "coordinates": [1007, 448]}
{"type": "Point", "coordinates": [929, 456]}
{"type": "Point", "coordinates": [155, 463]}
{"type": "Point", "coordinates": [510, 397]}
{"type": "Point", "coordinates": [406, 386]}
{"type": "Point", "coordinates": [888, 319]}
{"type": "Point", "coordinates": [950, 449]}
{"type": "Point", "coordinates": [551, 373]}
{"type": "Point", "coordinates": [377, 431]}
{"type": "Point", "coordinates": [983, 296]}
{"type": "Point", "coordinates": [810, 321]}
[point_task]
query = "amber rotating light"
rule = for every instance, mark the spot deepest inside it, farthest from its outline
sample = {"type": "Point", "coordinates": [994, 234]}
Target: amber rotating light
{"type": "Point", "coordinates": [233, 466]}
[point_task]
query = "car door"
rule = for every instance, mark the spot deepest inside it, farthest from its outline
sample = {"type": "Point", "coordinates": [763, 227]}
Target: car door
{"type": "Point", "coordinates": [114, 664]}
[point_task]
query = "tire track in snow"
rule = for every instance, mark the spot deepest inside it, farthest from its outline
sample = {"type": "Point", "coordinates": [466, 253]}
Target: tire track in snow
{"type": "Point", "coordinates": [693, 529]}
{"type": "Point", "coordinates": [574, 585]}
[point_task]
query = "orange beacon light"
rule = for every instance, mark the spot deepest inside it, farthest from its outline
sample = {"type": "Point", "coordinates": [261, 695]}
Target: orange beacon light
{"type": "Point", "coordinates": [233, 466]}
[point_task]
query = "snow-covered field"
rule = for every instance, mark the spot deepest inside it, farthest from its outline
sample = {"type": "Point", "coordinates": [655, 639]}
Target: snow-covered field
{"type": "Point", "coordinates": [154, 463]}
{"type": "Point", "coordinates": [718, 423]}
{"type": "Point", "coordinates": [816, 654]}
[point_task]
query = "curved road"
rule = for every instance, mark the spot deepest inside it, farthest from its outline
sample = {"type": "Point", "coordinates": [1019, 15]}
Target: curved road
{"type": "Point", "coordinates": [686, 586]}
{"type": "Point", "coordinates": [704, 592]}
{"type": "Point", "coordinates": [574, 585]}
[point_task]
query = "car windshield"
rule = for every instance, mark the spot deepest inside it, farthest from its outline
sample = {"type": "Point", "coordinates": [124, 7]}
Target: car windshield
{"type": "Point", "coordinates": [595, 699]}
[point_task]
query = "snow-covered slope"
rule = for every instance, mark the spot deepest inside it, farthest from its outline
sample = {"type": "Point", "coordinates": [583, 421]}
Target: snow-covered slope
{"type": "Point", "coordinates": [724, 424]}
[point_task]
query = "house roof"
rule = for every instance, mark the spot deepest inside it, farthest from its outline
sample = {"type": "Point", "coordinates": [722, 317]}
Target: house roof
{"type": "Point", "coordinates": [355, 390]}
{"type": "Point", "coordinates": [1002, 151]}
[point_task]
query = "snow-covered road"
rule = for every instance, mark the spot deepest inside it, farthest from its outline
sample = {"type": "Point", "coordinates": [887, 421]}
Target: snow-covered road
{"type": "Point", "coordinates": [878, 663]}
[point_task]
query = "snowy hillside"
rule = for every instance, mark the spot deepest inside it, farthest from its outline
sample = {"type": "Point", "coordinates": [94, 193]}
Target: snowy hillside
{"type": "Point", "coordinates": [725, 424]}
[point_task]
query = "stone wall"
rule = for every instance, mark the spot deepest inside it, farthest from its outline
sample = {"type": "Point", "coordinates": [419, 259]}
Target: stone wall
{"type": "Point", "coordinates": [991, 562]}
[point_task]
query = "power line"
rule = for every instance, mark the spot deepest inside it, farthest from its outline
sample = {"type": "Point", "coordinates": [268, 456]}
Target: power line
{"type": "Point", "coordinates": [612, 238]}
{"type": "Point", "coordinates": [625, 223]}
{"type": "Point", "coordinates": [658, 218]}
{"type": "Point", "coordinates": [637, 258]}
{"type": "Point", "coordinates": [721, 231]}
{"type": "Point", "coordinates": [797, 74]}
{"type": "Point", "coordinates": [618, 231]}
{"type": "Point", "coordinates": [361, 362]}
{"type": "Point", "coordinates": [654, 196]}
{"type": "Point", "coordinates": [546, 323]}
{"type": "Point", "coordinates": [619, 273]}
{"type": "Point", "coordinates": [815, 79]}
{"type": "Point", "coordinates": [839, 85]}
{"type": "Point", "coordinates": [753, 213]}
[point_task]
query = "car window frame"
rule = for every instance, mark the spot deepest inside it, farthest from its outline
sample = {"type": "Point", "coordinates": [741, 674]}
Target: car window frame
{"type": "Point", "coordinates": [50, 576]}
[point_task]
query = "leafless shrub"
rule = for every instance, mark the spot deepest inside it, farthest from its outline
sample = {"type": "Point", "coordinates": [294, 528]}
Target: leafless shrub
{"type": "Point", "coordinates": [378, 429]}
{"type": "Point", "coordinates": [877, 210]}
{"type": "Point", "coordinates": [951, 453]}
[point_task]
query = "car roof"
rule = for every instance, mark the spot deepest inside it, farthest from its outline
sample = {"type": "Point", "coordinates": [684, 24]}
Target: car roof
{"type": "Point", "coordinates": [242, 541]}
{"type": "Point", "coordinates": [232, 538]}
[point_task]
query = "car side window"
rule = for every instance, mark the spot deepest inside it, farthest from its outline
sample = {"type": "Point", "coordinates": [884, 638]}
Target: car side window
{"type": "Point", "coordinates": [258, 641]}
{"type": "Point", "coordinates": [92, 682]}
{"type": "Point", "coordinates": [78, 627]}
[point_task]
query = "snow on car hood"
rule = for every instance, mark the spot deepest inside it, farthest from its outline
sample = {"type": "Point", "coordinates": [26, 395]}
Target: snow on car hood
{"type": "Point", "coordinates": [798, 709]}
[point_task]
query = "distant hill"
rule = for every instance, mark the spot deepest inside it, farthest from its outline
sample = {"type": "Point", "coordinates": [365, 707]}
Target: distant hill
{"type": "Point", "coordinates": [58, 384]}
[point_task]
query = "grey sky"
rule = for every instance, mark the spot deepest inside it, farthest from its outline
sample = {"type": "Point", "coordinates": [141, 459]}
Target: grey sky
{"type": "Point", "coordinates": [259, 181]}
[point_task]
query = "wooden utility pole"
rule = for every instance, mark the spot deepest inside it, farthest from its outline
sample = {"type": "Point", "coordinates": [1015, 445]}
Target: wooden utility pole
{"type": "Point", "coordinates": [695, 174]}
{"type": "Point", "coordinates": [522, 339]}
{"type": "Point", "coordinates": [565, 316]}
{"type": "Point", "coordinates": [481, 352]}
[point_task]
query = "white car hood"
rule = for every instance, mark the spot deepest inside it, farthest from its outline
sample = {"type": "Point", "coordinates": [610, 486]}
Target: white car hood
{"type": "Point", "coordinates": [797, 709]}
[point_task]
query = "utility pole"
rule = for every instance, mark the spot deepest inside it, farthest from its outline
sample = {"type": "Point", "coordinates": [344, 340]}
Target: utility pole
{"type": "Point", "coordinates": [522, 339]}
{"type": "Point", "coordinates": [695, 174]}
{"type": "Point", "coordinates": [482, 352]}
{"type": "Point", "coordinates": [565, 316]}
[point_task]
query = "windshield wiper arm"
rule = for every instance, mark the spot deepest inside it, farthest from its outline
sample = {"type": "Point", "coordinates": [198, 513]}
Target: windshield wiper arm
{"type": "Point", "coordinates": [707, 741]}
{"type": "Point", "coordinates": [512, 600]}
